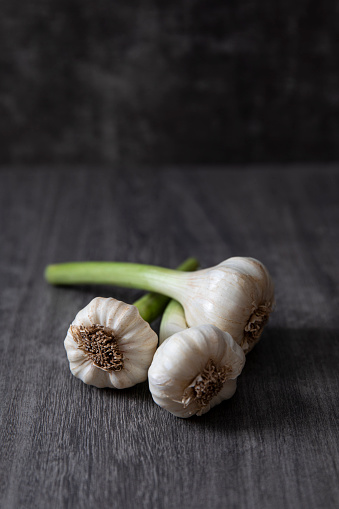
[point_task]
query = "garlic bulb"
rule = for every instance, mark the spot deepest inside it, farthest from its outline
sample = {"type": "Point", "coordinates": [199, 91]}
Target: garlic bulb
{"type": "Point", "coordinates": [237, 295]}
{"type": "Point", "coordinates": [109, 345]}
{"type": "Point", "coordinates": [194, 370]}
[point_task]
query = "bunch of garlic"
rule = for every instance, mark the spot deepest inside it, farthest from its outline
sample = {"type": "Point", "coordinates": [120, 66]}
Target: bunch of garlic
{"type": "Point", "coordinates": [202, 344]}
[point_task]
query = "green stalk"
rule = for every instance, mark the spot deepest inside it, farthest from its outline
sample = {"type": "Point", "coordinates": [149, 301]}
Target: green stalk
{"type": "Point", "coordinates": [130, 275]}
{"type": "Point", "coordinates": [173, 320]}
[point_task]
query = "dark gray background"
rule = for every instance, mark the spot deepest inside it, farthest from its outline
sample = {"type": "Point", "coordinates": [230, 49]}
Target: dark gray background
{"type": "Point", "coordinates": [169, 82]}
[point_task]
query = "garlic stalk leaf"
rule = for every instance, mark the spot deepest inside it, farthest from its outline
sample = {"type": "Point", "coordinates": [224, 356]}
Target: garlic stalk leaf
{"type": "Point", "coordinates": [236, 296]}
{"type": "Point", "coordinates": [195, 369]}
{"type": "Point", "coordinates": [173, 320]}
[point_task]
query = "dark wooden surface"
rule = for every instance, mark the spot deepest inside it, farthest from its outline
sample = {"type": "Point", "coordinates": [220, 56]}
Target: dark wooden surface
{"type": "Point", "coordinates": [274, 444]}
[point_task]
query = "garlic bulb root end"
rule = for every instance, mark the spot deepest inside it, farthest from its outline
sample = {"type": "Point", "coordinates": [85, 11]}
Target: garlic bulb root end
{"type": "Point", "coordinates": [108, 344]}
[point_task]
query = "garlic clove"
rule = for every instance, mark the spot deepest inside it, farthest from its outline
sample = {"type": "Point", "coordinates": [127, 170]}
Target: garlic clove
{"type": "Point", "coordinates": [89, 372]}
{"type": "Point", "coordinates": [194, 370]}
{"type": "Point", "coordinates": [109, 345]}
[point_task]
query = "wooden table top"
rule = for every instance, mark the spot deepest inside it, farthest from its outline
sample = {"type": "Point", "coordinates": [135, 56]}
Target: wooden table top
{"type": "Point", "coordinates": [66, 444]}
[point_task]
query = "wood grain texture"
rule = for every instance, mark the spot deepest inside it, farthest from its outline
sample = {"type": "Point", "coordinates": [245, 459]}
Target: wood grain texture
{"type": "Point", "coordinates": [274, 444]}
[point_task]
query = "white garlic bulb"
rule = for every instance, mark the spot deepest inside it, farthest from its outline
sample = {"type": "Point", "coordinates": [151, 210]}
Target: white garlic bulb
{"type": "Point", "coordinates": [194, 370]}
{"type": "Point", "coordinates": [109, 345]}
{"type": "Point", "coordinates": [236, 296]}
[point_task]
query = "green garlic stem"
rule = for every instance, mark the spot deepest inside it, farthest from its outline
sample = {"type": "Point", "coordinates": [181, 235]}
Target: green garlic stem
{"type": "Point", "coordinates": [151, 305]}
{"type": "Point", "coordinates": [130, 275]}
{"type": "Point", "coordinates": [173, 320]}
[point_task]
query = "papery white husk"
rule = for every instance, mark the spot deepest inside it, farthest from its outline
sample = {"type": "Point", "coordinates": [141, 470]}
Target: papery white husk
{"type": "Point", "coordinates": [136, 340]}
{"type": "Point", "coordinates": [184, 356]}
{"type": "Point", "coordinates": [226, 296]}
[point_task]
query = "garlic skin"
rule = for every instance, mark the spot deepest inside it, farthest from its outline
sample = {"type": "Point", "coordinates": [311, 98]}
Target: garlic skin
{"type": "Point", "coordinates": [194, 370]}
{"type": "Point", "coordinates": [108, 344]}
{"type": "Point", "coordinates": [236, 296]}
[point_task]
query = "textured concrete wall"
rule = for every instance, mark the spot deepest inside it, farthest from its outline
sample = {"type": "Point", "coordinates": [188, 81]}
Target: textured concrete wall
{"type": "Point", "coordinates": [169, 82]}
